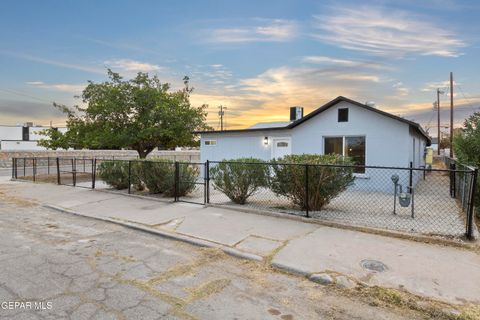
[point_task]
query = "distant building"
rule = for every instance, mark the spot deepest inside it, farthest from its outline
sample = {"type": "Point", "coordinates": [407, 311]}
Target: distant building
{"type": "Point", "coordinates": [22, 137]}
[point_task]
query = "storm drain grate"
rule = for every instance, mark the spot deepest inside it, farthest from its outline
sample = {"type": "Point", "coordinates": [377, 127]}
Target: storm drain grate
{"type": "Point", "coordinates": [373, 265]}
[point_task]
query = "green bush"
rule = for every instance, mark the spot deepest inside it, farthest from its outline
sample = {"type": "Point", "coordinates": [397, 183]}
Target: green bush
{"type": "Point", "coordinates": [114, 173]}
{"type": "Point", "coordinates": [466, 144]}
{"type": "Point", "coordinates": [324, 182]}
{"type": "Point", "coordinates": [237, 179]}
{"type": "Point", "coordinates": [159, 177]}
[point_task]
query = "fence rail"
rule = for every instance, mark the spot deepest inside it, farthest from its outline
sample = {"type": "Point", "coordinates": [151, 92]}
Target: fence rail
{"type": "Point", "coordinates": [436, 202]}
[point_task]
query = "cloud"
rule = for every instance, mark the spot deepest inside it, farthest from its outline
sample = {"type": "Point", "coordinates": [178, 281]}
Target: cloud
{"type": "Point", "coordinates": [358, 77]}
{"type": "Point", "coordinates": [264, 30]}
{"type": "Point", "coordinates": [128, 65]}
{"type": "Point", "coordinates": [323, 60]}
{"type": "Point", "coordinates": [401, 89]}
{"type": "Point", "coordinates": [391, 32]}
{"type": "Point", "coordinates": [424, 113]}
{"type": "Point", "coordinates": [62, 87]}
{"type": "Point", "coordinates": [433, 86]}
{"type": "Point", "coordinates": [268, 96]}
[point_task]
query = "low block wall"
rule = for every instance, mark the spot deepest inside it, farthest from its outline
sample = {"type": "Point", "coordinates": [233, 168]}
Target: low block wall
{"type": "Point", "coordinates": [6, 156]}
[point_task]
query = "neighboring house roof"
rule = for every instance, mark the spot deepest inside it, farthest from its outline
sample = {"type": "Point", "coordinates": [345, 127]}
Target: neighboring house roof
{"type": "Point", "coordinates": [326, 106]}
{"type": "Point", "coordinates": [261, 125]}
{"type": "Point", "coordinates": [435, 140]}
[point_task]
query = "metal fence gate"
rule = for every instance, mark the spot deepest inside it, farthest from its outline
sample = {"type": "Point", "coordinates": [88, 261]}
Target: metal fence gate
{"type": "Point", "coordinates": [190, 182]}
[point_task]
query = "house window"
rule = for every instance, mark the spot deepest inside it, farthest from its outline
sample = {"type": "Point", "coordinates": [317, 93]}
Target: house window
{"type": "Point", "coordinates": [355, 150]}
{"type": "Point", "coordinates": [352, 147]}
{"type": "Point", "coordinates": [343, 115]}
{"type": "Point", "coordinates": [282, 144]}
{"type": "Point", "coordinates": [210, 142]}
{"type": "Point", "coordinates": [334, 145]}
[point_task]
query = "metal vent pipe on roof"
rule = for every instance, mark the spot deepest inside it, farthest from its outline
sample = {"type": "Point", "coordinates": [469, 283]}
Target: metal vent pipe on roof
{"type": "Point", "coordinates": [296, 113]}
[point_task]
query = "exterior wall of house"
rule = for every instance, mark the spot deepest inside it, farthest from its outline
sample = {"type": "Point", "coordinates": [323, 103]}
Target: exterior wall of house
{"type": "Point", "coordinates": [239, 145]}
{"type": "Point", "coordinates": [386, 139]}
{"type": "Point", "coordinates": [389, 142]}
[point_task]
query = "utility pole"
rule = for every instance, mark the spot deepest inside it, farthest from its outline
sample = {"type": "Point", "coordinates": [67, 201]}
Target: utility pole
{"type": "Point", "coordinates": [451, 114]}
{"type": "Point", "coordinates": [221, 113]}
{"type": "Point", "coordinates": [439, 92]}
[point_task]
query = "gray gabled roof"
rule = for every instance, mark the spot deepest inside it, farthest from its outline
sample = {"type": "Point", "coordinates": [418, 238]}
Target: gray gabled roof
{"type": "Point", "coordinates": [326, 106]}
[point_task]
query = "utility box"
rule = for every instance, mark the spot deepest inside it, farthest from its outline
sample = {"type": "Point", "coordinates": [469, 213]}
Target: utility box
{"type": "Point", "coordinates": [429, 157]}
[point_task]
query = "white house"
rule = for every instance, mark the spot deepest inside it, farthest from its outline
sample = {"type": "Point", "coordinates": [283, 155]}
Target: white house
{"type": "Point", "coordinates": [368, 135]}
{"type": "Point", "coordinates": [22, 137]}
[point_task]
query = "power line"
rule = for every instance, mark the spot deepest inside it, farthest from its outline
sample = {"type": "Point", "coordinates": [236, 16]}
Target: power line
{"type": "Point", "coordinates": [465, 97]}
{"type": "Point", "coordinates": [24, 95]}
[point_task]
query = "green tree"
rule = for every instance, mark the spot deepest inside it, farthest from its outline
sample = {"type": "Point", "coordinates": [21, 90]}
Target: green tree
{"type": "Point", "coordinates": [466, 144]}
{"type": "Point", "coordinates": [139, 114]}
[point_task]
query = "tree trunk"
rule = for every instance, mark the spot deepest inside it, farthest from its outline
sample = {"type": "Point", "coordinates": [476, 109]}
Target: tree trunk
{"type": "Point", "coordinates": [143, 153]}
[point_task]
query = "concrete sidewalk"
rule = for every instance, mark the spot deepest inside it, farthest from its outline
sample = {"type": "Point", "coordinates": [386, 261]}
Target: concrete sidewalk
{"type": "Point", "coordinates": [444, 273]}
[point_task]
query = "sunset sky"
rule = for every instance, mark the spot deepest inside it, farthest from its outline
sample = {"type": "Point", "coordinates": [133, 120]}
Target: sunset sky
{"type": "Point", "coordinates": [258, 58]}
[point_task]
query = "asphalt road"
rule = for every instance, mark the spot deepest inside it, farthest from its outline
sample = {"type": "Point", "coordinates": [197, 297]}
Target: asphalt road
{"type": "Point", "coordinates": [70, 267]}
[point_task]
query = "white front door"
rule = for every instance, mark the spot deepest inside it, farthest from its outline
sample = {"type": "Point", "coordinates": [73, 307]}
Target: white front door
{"type": "Point", "coordinates": [281, 147]}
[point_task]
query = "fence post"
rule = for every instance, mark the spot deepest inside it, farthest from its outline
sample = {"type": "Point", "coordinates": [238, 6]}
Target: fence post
{"type": "Point", "coordinates": [24, 167]}
{"type": "Point", "coordinates": [473, 191]}
{"type": "Point", "coordinates": [13, 168]}
{"type": "Point", "coordinates": [94, 171]}
{"type": "Point", "coordinates": [454, 185]}
{"type": "Point", "coordinates": [74, 170]}
{"type": "Point", "coordinates": [177, 178]}
{"type": "Point", "coordinates": [410, 178]}
{"type": "Point", "coordinates": [205, 183]}
{"type": "Point", "coordinates": [58, 171]}
{"type": "Point", "coordinates": [207, 180]}
{"type": "Point", "coordinates": [129, 176]}
{"type": "Point", "coordinates": [48, 165]}
{"type": "Point", "coordinates": [306, 193]}
{"type": "Point", "coordinates": [34, 169]}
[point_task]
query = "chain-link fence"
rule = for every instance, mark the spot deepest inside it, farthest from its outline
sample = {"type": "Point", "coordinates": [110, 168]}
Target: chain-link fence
{"type": "Point", "coordinates": [417, 200]}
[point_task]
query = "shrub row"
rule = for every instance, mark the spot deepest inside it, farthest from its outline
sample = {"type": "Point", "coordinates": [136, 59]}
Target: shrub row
{"type": "Point", "coordinates": [156, 176]}
{"type": "Point", "coordinates": [240, 178]}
